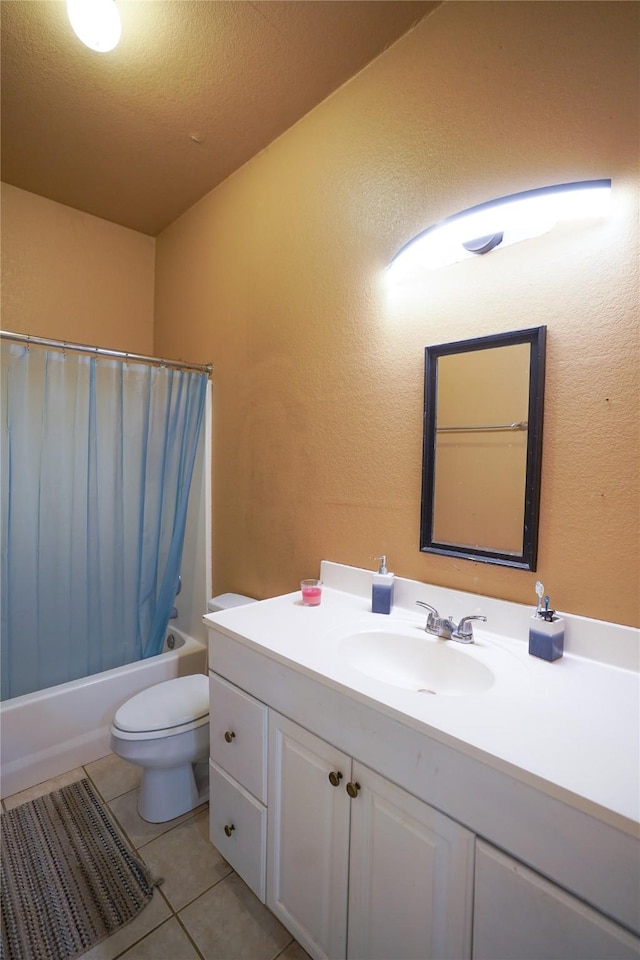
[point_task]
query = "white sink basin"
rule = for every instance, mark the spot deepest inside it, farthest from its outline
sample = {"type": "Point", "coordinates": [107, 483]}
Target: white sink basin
{"type": "Point", "coordinates": [420, 663]}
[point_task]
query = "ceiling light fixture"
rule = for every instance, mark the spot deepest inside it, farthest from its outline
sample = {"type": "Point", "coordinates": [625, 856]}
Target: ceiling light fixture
{"type": "Point", "coordinates": [500, 222]}
{"type": "Point", "coordinates": [96, 23]}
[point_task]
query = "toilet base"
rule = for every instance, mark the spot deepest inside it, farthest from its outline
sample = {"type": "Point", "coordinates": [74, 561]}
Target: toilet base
{"type": "Point", "coordinates": [167, 794]}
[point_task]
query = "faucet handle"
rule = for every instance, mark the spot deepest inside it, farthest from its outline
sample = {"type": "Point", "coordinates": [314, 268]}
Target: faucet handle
{"type": "Point", "coordinates": [464, 631]}
{"type": "Point", "coordinates": [427, 606]}
{"type": "Point", "coordinates": [433, 617]}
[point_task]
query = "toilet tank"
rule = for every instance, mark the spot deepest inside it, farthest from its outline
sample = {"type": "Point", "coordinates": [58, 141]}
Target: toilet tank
{"type": "Point", "coordinates": [228, 600]}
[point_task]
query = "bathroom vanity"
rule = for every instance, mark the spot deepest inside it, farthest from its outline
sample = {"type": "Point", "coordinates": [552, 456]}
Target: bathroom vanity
{"type": "Point", "coordinates": [389, 794]}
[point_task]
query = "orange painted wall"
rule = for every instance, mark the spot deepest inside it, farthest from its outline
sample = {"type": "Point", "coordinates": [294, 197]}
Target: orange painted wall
{"type": "Point", "coordinates": [277, 278]}
{"type": "Point", "coordinates": [68, 275]}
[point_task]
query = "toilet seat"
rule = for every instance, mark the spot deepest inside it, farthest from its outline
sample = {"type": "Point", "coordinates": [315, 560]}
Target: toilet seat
{"type": "Point", "coordinates": [164, 710]}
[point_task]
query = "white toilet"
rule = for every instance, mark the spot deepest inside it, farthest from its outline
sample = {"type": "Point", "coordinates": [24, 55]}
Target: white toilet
{"type": "Point", "coordinates": [165, 730]}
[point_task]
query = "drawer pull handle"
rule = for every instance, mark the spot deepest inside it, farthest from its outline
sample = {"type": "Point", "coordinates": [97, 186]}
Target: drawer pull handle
{"type": "Point", "coordinates": [352, 789]}
{"type": "Point", "coordinates": [334, 778]}
{"type": "Point", "coordinates": [229, 735]}
{"type": "Point", "coordinates": [229, 828]}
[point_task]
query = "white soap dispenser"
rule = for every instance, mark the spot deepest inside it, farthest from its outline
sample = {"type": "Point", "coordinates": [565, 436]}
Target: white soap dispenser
{"type": "Point", "coordinates": [382, 592]}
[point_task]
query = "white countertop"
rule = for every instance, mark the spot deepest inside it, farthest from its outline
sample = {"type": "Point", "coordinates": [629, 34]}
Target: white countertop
{"type": "Point", "coordinates": [570, 728]}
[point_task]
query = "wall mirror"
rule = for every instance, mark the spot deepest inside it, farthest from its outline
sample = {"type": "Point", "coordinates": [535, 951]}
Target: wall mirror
{"type": "Point", "coordinates": [483, 416]}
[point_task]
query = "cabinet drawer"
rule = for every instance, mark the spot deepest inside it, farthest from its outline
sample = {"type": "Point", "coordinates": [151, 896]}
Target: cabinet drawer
{"type": "Point", "coordinates": [244, 843]}
{"type": "Point", "coordinates": [238, 733]}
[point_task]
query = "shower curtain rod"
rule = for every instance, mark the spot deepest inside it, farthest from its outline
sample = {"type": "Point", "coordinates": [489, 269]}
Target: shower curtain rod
{"type": "Point", "coordinates": [104, 352]}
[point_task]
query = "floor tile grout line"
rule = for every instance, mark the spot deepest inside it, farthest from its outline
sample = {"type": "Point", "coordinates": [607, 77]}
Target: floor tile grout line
{"type": "Point", "coordinates": [117, 796]}
{"type": "Point", "coordinates": [189, 937]}
{"type": "Point", "coordinates": [167, 832]}
{"type": "Point", "coordinates": [190, 814]}
{"type": "Point", "coordinates": [285, 948]}
{"type": "Point", "coordinates": [124, 952]}
{"type": "Point", "coordinates": [162, 833]}
{"type": "Point", "coordinates": [206, 890]}
{"type": "Point", "coordinates": [166, 900]}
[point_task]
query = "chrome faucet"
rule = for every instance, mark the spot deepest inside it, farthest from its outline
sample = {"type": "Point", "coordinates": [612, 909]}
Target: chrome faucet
{"type": "Point", "coordinates": [445, 627]}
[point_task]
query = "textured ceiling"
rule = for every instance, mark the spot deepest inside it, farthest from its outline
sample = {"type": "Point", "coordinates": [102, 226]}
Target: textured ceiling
{"type": "Point", "coordinates": [194, 90]}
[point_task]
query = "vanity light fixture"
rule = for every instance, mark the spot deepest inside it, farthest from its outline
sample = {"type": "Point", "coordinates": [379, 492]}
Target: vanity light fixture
{"type": "Point", "coordinates": [504, 221]}
{"type": "Point", "coordinates": [96, 23]}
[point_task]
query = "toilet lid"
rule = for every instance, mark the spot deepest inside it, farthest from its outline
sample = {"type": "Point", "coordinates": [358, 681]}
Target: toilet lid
{"type": "Point", "coordinates": [165, 705]}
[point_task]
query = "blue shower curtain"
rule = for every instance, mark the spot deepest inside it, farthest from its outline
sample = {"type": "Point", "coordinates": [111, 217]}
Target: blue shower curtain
{"type": "Point", "coordinates": [97, 459]}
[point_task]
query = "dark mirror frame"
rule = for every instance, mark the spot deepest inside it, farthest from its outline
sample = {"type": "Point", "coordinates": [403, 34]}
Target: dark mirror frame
{"type": "Point", "coordinates": [527, 560]}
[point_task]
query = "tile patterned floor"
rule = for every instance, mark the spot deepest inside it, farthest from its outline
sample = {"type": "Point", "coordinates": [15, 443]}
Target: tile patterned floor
{"type": "Point", "coordinates": [203, 910]}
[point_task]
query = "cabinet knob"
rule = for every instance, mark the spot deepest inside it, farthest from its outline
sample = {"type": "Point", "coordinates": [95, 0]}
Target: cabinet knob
{"type": "Point", "coordinates": [352, 789]}
{"type": "Point", "coordinates": [334, 778]}
{"type": "Point", "coordinates": [229, 828]}
{"type": "Point", "coordinates": [229, 735]}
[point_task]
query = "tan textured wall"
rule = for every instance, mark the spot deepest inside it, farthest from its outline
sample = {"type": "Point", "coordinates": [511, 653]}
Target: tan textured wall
{"type": "Point", "coordinates": [276, 277]}
{"type": "Point", "coordinates": [71, 276]}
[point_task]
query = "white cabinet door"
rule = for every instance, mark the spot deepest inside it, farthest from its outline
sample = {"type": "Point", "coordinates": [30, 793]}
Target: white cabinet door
{"type": "Point", "coordinates": [308, 838]}
{"type": "Point", "coordinates": [411, 877]}
{"type": "Point", "coordinates": [519, 915]}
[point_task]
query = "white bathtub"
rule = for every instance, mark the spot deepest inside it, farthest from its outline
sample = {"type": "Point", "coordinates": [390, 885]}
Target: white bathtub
{"type": "Point", "coordinates": [49, 732]}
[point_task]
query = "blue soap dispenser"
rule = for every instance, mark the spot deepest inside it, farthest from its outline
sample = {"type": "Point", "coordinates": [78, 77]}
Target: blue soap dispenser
{"type": "Point", "coordinates": [382, 592]}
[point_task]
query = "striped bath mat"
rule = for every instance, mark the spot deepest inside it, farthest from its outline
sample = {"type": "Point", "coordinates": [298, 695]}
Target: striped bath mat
{"type": "Point", "coordinates": [68, 878]}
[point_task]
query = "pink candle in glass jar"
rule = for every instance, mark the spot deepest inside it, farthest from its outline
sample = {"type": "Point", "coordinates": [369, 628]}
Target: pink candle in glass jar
{"type": "Point", "coordinates": [311, 592]}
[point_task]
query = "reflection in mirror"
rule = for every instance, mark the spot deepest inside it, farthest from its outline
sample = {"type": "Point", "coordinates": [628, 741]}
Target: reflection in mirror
{"type": "Point", "coordinates": [482, 445]}
{"type": "Point", "coordinates": [481, 448]}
